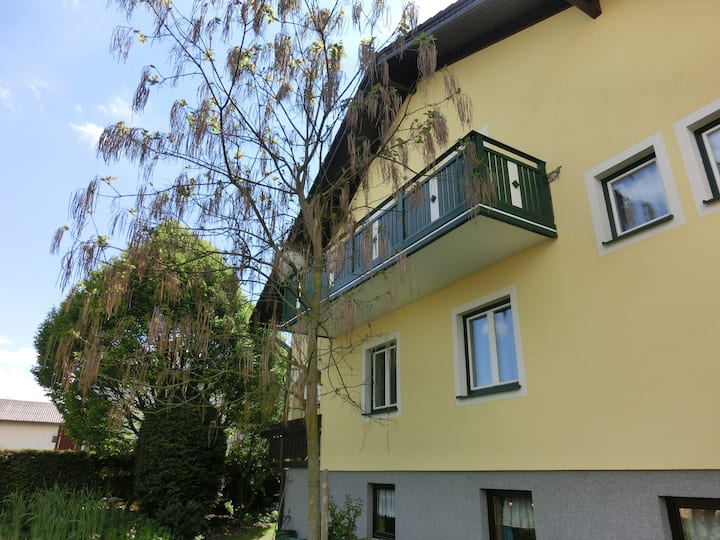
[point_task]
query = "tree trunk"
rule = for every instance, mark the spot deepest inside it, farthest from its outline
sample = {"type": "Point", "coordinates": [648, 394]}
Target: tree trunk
{"type": "Point", "coordinates": [311, 403]}
{"type": "Point", "coordinates": [313, 444]}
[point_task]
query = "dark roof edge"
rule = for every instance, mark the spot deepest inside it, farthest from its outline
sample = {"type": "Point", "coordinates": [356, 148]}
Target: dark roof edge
{"type": "Point", "coordinates": [447, 55]}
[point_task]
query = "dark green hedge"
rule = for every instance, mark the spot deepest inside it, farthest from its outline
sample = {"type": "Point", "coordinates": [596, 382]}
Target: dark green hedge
{"type": "Point", "coordinates": [179, 466]}
{"type": "Point", "coordinates": [30, 470]}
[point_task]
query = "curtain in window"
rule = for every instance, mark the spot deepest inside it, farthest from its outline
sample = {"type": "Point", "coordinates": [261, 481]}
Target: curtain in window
{"type": "Point", "coordinates": [379, 369]}
{"type": "Point", "coordinates": [700, 523]}
{"type": "Point", "coordinates": [385, 502]}
{"type": "Point", "coordinates": [517, 512]}
{"type": "Point", "coordinates": [505, 339]}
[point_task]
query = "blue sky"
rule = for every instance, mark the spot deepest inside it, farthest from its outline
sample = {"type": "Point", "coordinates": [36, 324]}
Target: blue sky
{"type": "Point", "coordinates": [59, 86]}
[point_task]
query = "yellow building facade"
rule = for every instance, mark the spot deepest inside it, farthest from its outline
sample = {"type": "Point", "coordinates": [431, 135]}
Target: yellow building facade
{"type": "Point", "coordinates": [563, 363]}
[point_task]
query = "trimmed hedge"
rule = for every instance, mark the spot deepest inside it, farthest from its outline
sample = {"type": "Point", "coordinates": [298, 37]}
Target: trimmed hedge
{"type": "Point", "coordinates": [32, 470]}
{"type": "Point", "coordinates": [179, 466]}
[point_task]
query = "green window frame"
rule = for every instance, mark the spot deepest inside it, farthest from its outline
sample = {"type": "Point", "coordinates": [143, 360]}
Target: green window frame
{"type": "Point", "coordinates": [383, 392]}
{"type": "Point", "coordinates": [705, 136]}
{"type": "Point", "coordinates": [693, 518]}
{"type": "Point", "coordinates": [491, 360]}
{"type": "Point", "coordinates": [635, 197]}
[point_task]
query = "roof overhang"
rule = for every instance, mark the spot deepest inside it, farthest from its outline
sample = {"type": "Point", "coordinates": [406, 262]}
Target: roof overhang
{"type": "Point", "coordinates": [460, 30]}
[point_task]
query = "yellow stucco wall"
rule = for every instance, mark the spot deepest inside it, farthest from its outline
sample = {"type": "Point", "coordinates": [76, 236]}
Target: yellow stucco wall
{"type": "Point", "coordinates": [620, 351]}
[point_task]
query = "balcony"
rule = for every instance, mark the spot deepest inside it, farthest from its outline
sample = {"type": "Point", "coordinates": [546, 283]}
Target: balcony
{"type": "Point", "coordinates": [287, 444]}
{"type": "Point", "coordinates": [480, 202]}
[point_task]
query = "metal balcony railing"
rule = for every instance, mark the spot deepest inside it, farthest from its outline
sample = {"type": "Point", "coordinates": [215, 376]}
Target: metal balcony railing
{"type": "Point", "coordinates": [288, 444]}
{"type": "Point", "coordinates": [478, 176]}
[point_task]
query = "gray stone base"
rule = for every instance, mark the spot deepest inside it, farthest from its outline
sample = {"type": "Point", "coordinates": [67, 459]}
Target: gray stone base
{"type": "Point", "coordinates": [569, 505]}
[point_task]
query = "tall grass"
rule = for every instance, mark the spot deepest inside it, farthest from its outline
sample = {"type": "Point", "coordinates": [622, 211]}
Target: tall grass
{"type": "Point", "coordinates": [13, 516]}
{"type": "Point", "coordinates": [62, 514]}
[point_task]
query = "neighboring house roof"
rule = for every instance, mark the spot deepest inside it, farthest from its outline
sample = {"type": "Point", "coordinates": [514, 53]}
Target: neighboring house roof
{"type": "Point", "coordinates": [13, 410]}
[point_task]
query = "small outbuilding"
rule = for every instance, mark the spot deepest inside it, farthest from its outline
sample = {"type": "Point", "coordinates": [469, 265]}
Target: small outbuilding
{"type": "Point", "coordinates": [32, 425]}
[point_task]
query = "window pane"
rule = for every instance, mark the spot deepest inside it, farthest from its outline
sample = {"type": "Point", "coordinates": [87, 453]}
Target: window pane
{"type": "Point", "coordinates": [384, 512]}
{"type": "Point", "coordinates": [712, 141]}
{"type": "Point", "coordinates": [514, 517]}
{"type": "Point", "coordinates": [393, 376]}
{"type": "Point", "coordinates": [379, 378]}
{"type": "Point", "coordinates": [639, 197]}
{"type": "Point", "coordinates": [712, 145]}
{"type": "Point", "coordinates": [479, 350]}
{"type": "Point", "coordinates": [700, 523]}
{"type": "Point", "coordinates": [505, 338]}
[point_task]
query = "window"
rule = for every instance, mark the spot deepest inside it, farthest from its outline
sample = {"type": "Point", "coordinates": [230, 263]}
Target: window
{"type": "Point", "coordinates": [633, 195]}
{"type": "Point", "coordinates": [511, 515]}
{"type": "Point", "coordinates": [383, 517]}
{"type": "Point", "coordinates": [488, 351]}
{"type": "Point", "coordinates": [381, 364]}
{"type": "Point", "coordinates": [694, 518]}
{"type": "Point", "coordinates": [708, 141]}
{"type": "Point", "coordinates": [490, 356]}
{"type": "Point", "coordinates": [698, 136]}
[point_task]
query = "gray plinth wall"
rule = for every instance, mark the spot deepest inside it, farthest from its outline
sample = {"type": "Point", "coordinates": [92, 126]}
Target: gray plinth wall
{"type": "Point", "coordinates": [569, 505]}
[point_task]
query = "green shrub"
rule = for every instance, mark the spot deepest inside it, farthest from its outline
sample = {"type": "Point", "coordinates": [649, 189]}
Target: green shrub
{"type": "Point", "coordinates": [342, 522]}
{"type": "Point", "coordinates": [185, 518]}
{"type": "Point", "coordinates": [31, 470]}
{"type": "Point", "coordinates": [249, 481]}
{"type": "Point", "coordinates": [179, 466]}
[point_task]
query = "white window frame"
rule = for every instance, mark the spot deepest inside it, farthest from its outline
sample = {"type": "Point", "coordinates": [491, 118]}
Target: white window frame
{"type": "Point", "coordinates": [598, 175]}
{"type": "Point", "coordinates": [463, 393]}
{"type": "Point", "coordinates": [375, 230]}
{"type": "Point", "coordinates": [685, 129]}
{"type": "Point", "coordinates": [368, 408]}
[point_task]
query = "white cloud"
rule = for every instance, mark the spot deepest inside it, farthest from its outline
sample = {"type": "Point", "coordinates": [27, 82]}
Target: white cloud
{"type": "Point", "coordinates": [6, 97]}
{"type": "Point", "coordinates": [117, 109]}
{"type": "Point", "coordinates": [71, 3]}
{"type": "Point", "coordinates": [78, 108]}
{"type": "Point", "coordinates": [16, 381]}
{"type": "Point", "coordinates": [36, 89]}
{"type": "Point", "coordinates": [88, 132]}
{"type": "Point", "coordinates": [4, 340]}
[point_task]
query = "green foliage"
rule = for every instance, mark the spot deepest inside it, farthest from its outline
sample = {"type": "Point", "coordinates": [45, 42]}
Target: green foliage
{"type": "Point", "coordinates": [179, 466]}
{"type": "Point", "coordinates": [60, 514]}
{"type": "Point", "coordinates": [249, 482]}
{"type": "Point", "coordinates": [165, 319]}
{"type": "Point", "coordinates": [277, 101]}
{"type": "Point", "coordinates": [342, 522]}
{"type": "Point", "coordinates": [32, 470]}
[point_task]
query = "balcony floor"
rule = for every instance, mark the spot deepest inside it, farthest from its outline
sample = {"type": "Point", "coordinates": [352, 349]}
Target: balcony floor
{"type": "Point", "coordinates": [431, 264]}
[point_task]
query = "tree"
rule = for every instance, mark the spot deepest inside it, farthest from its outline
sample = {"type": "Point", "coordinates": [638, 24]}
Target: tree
{"type": "Point", "coordinates": [277, 139]}
{"type": "Point", "coordinates": [179, 465]}
{"type": "Point", "coordinates": [86, 420]}
{"type": "Point", "coordinates": [165, 321]}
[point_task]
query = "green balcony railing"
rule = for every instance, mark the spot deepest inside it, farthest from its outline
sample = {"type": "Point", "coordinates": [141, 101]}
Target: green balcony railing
{"type": "Point", "coordinates": [477, 176]}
